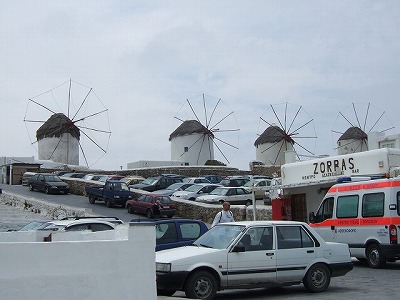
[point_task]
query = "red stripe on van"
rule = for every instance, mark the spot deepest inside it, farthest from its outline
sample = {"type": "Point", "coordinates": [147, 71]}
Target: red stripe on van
{"type": "Point", "coordinates": [358, 222]}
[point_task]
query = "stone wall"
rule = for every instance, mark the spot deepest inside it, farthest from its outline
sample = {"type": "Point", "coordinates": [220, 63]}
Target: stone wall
{"type": "Point", "coordinates": [51, 210]}
{"type": "Point", "coordinates": [206, 212]}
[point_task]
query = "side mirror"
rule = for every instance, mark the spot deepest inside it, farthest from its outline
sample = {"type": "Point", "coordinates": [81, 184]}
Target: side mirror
{"type": "Point", "coordinates": [311, 217]}
{"type": "Point", "coordinates": [238, 248]}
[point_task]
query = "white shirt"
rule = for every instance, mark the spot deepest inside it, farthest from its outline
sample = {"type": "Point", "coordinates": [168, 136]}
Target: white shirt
{"type": "Point", "coordinates": [223, 217]}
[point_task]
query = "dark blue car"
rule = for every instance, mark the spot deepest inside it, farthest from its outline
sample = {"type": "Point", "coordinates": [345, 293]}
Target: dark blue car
{"type": "Point", "coordinates": [172, 233]}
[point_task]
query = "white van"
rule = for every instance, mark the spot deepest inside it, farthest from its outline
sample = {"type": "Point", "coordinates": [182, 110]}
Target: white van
{"type": "Point", "coordinates": [365, 215]}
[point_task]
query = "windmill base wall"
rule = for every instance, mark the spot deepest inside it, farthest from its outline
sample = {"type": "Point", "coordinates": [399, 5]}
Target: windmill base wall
{"type": "Point", "coordinates": [272, 154]}
{"type": "Point", "coordinates": [65, 151]}
{"type": "Point", "coordinates": [198, 153]}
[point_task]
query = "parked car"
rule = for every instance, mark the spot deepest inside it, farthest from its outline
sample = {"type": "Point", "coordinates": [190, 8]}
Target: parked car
{"type": "Point", "coordinates": [251, 254]}
{"type": "Point", "coordinates": [91, 224]}
{"type": "Point", "coordinates": [152, 205]}
{"type": "Point", "coordinates": [234, 181]}
{"type": "Point", "coordinates": [131, 180]}
{"type": "Point", "coordinates": [48, 183]}
{"type": "Point", "coordinates": [114, 192]}
{"type": "Point", "coordinates": [260, 186]}
{"type": "Point", "coordinates": [69, 224]}
{"type": "Point", "coordinates": [73, 175]}
{"type": "Point", "coordinates": [152, 184]}
{"type": "Point", "coordinates": [234, 195]}
{"type": "Point", "coordinates": [113, 220]}
{"type": "Point", "coordinates": [213, 178]}
{"type": "Point", "coordinates": [179, 186]}
{"type": "Point", "coordinates": [192, 192]}
{"type": "Point", "coordinates": [196, 180]}
{"type": "Point", "coordinates": [173, 233]}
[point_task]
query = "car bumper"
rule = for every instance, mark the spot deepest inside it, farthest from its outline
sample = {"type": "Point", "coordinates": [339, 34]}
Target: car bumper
{"type": "Point", "coordinates": [391, 251]}
{"type": "Point", "coordinates": [59, 190]}
{"type": "Point", "coordinates": [167, 212]}
{"type": "Point", "coordinates": [341, 269]}
{"type": "Point", "coordinates": [171, 281]}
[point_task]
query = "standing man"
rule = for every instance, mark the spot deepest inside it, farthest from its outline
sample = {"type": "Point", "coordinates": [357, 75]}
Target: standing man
{"type": "Point", "coordinates": [224, 216]}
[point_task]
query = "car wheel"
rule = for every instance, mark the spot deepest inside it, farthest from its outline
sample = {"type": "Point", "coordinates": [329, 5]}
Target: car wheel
{"type": "Point", "coordinates": [46, 190]}
{"type": "Point", "coordinates": [170, 216]}
{"type": "Point", "coordinates": [168, 293]}
{"type": "Point", "coordinates": [31, 187]}
{"type": "Point", "coordinates": [317, 278]}
{"type": "Point", "coordinates": [92, 199]}
{"type": "Point", "coordinates": [201, 285]}
{"type": "Point", "coordinates": [130, 209]}
{"type": "Point", "coordinates": [108, 203]}
{"type": "Point", "coordinates": [149, 213]}
{"type": "Point", "coordinates": [248, 202]}
{"type": "Point", "coordinates": [375, 257]}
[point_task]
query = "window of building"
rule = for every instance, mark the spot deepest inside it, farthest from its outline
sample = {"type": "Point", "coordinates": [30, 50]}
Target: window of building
{"type": "Point", "coordinates": [185, 149]}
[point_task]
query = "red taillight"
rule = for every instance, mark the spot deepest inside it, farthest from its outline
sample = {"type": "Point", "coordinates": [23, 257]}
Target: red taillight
{"type": "Point", "coordinates": [393, 234]}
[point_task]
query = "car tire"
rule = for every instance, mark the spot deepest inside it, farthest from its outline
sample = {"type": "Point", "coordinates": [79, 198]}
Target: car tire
{"type": "Point", "coordinates": [375, 257]}
{"type": "Point", "coordinates": [108, 203]}
{"type": "Point", "coordinates": [168, 293]}
{"type": "Point", "coordinates": [170, 216]}
{"type": "Point", "coordinates": [46, 190]}
{"type": "Point", "coordinates": [130, 209]}
{"type": "Point", "coordinates": [317, 278]}
{"type": "Point", "coordinates": [248, 202]}
{"type": "Point", "coordinates": [31, 187]}
{"type": "Point", "coordinates": [149, 213]}
{"type": "Point", "coordinates": [201, 285]}
{"type": "Point", "coordinates": [92, 199]}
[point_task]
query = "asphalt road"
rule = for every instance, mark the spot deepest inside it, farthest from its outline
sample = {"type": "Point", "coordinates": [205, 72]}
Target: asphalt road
{"type": "Point", "coordinates": [73, 200]}
{"type": "Point", "coordinates": [361, 283]}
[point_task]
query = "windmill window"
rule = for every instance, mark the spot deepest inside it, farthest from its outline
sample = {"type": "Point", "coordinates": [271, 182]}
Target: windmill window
{"type": "Point", "coordinates": [186, 149]}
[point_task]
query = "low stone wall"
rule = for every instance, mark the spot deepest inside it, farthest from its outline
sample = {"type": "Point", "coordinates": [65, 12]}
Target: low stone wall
{"type": "Point", "coordinates": [51, 210]}
{"type": "Point", "coordinates": [206, 212]}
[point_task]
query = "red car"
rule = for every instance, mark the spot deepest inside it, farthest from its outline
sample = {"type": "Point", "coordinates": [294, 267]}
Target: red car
{"type": "Point", "coordinates": [152, 205]}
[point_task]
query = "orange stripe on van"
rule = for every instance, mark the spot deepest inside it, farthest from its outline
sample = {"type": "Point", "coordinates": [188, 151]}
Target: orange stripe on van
{"type": "Point", "coordinates": [364, 186]}
{"type": "Point", "coordinates": [358, 222]}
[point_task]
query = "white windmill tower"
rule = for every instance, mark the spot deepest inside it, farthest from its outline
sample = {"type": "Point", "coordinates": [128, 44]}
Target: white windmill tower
{"type": "Point", "coordinates": [58, 139]}
{"type": "Point", "coordinates": [280, 144]}
{"type": "Point", "coordinates": [356, 138]}
{"type": "Point", "coordinates": [193, 141]}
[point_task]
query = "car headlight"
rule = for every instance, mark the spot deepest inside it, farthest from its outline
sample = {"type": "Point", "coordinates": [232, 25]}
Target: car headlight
{"type": "Point", "coordinates": [163, 267]}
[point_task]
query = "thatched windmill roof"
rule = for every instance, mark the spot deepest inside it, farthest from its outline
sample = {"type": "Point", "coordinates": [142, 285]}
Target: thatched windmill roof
{"type": "Point", "coordinates": [57, 125]}
{"type": "Point", "coordinates": [273, 134]}
{"type": "Point", "coordinates": [190, 127]}
{"type": "Point", "coordinates": [354, 133]}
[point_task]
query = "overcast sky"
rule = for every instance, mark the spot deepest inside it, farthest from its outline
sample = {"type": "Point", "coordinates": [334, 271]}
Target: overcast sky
{"type": "Point", "coordinates": [143, 59]}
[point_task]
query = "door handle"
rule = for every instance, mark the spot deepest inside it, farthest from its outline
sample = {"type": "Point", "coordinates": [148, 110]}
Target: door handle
{"type": "Point", "coordinates": [310, 251]}
{"type": "Point", "coordinates": [269, 254]}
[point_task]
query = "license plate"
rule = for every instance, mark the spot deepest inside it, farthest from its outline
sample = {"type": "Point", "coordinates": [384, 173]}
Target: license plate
{"type": "Point", "coordinates": [165, 206]}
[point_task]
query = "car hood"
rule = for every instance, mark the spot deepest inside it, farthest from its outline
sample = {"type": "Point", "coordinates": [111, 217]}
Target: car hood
{"type": "Point", "coordinates": [186, 253]}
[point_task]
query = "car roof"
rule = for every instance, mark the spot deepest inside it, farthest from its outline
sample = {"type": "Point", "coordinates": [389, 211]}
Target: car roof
{"type": "Point", "coordinates": [155, 221]}
{"type": "Point", "coordinates": [81, 221]}
{"type": "Point", "coordinates": [260, 223]}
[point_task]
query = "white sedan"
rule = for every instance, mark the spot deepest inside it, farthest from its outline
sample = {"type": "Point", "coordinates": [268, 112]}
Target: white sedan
{"type": "Point", "coordinates": [192, 192]}
{"type": "Point", "coordinates": [234, 195]}
{"type": "Point", "coordinates": [251, 254]}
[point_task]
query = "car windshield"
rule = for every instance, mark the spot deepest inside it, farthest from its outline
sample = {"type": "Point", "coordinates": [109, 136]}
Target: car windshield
{"type": "Point", "coordinates": [32, 225]}
{"type": "Point", "coordinates": [249, 183]}
{"type": "Point", "coordinates": [220, 236]}
{"type": "Point", "coordinates": [174, 186]}
{"type": "Point", "coordinates": [219, 191]}
{"type": "Point", "coordinates": [194, 188]}
{"type": "Point", "coordinates": [52, 178]}
{"type": "Point", "coordinates": [149, 181]}
{"type": "Point", "coordinates": [164, 200]}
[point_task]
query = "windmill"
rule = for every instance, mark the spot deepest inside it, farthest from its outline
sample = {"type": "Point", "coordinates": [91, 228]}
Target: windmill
{"type": "Point", "coordinates": [73, 121]}
{"type": "Point", "coordinates": [356, 125]}
{"type": "Point", "coordinates": [205, 123]}
{"type": "Point", "coordinates": [290, 132]}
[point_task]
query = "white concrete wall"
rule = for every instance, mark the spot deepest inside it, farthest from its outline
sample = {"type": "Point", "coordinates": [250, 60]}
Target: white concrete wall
{"type": "Point", "coordinates": [200, 151]}
{"type": "Point", "coordinates": [80, 269]}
